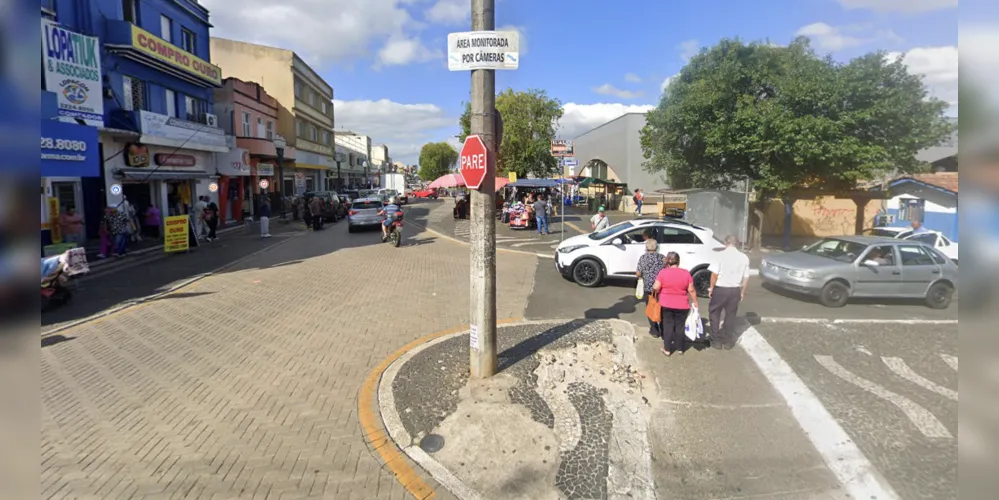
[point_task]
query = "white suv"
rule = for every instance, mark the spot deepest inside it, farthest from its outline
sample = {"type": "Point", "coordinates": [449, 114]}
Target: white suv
{"type": "Point", "coordinates": [614, 252]}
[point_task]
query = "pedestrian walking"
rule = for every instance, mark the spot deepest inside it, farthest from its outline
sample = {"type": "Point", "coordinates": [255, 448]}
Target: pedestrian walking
{"type": "Point", "coordinates": [600, 221]}
{"type": "Point", "coordinates": [649, 266]}
{"type": "Point", "coordinates": [199, 217]}
{"type": "Point", "coordinates": [639, 199]}
{"type": "Point", "coordinates": [119, 231]}
{"type": "Point", "coordinates": [316, 213]}
{"type": "Point", "coordinates": [729, 279]}
{"type": "Point", "coordinates": [211, 219]}
{"type": "Point", "coordinates": [104, 231]}
{"type": "Point", "coordinates": [675, 289]}
{"type": "Point", "coordinates": [264, 215]}
{"type": "Point", "coordinates": [71, 225]}
{"type": "Point", "coordinates": [541, 215]}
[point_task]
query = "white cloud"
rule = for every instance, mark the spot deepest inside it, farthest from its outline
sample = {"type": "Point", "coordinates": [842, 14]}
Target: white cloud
{"type": "Point", "coordinates": [405, 128]}
{"type": "Point", "coordinates": [400, 50]}
{"type": "Point", "coordinates": [632, 78]}
{"type": "Point", "coordinates": [903, 6]}
{"type": "Point", "coordinates": [938, 67]}
{"type": "Point", "coordinates": [662, 86]}
{"type": "Point", "coordinates": [450, 12]}
{"type": "Point", "coordinates": [689, 49]}
{"type": "Point", "coordinates": [299, 25]}
{"type": "Point", "coordinates": [608, 89]}
{"type": "Point", "coordinates": [836, 38]}
{"type": "Point", "coordinates": [580, 118]}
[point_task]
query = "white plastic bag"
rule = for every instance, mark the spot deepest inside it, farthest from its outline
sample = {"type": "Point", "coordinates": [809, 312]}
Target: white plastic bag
{"type": "Point", "coordinates": [694, 328]}
{"type": "Point", "coordinates": [640, 289]}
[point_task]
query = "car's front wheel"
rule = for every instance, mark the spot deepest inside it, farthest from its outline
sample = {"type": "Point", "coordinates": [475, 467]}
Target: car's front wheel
{"type": "Point", "coordinates": [834, 294]}
{"type": "Point", "coordinates": [588, 273]}
{"type": "Point", "coordinates": [939, 296]}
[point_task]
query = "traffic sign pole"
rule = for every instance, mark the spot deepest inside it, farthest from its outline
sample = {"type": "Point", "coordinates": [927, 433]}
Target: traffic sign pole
{"type": "Point", "coordinates": [482, 330]}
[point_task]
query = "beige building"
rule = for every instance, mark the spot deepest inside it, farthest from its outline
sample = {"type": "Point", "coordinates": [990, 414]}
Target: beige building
{"type": "Point", "coordinates": [380, 157]}
{"type": "Point", "coordinates": [305, 107]}
{"type": "Point", "coordinates": [356, 154]}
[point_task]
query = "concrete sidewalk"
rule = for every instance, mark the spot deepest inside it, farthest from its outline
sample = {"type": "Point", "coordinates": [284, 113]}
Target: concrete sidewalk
{"type": "Point", "coordinates": [591, 409]}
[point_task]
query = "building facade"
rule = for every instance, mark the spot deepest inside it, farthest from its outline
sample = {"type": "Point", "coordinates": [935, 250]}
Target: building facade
{"type": "Point", "coordinates": [356, 164]}
{"type": "Point", "coordinates": [305, 107]}
{"type": "Point", "coordinates": [155, 96]}
{"type": "Point", "coordinates": [249, 116]}
{"type": "Point", "coordinates": [613, 152]}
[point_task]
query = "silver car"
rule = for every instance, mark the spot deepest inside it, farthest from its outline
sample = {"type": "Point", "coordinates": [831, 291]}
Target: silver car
{"type": "Point", "coordinates": [837, 268]}
{"type": "Point", "coordinates": [364, 213]}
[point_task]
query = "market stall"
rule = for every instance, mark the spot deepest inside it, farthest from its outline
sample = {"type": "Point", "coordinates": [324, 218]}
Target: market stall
{"type": "Point", "coordinates": [518, 196]}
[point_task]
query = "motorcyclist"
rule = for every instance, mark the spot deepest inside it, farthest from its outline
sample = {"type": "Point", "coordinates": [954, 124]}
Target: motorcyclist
{"type": "Point", "coordinates": [389, 212]}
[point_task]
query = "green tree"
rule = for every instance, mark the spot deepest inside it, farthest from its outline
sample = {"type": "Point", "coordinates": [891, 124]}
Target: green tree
{"type": "Point", "coordinates": [436, 159]}
{"type": "Point", "coordinates": [529, 121]}
{"type": "Point", "coordinates": [785, 118]}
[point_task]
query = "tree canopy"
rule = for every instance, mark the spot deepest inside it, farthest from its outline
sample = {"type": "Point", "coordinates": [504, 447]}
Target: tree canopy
{"type": "Point", "coordinates": [436, 159]}
{"type": "Point", "coordinates": [529, 120]}
{"type": "Point", "coordinates": [785, 118]}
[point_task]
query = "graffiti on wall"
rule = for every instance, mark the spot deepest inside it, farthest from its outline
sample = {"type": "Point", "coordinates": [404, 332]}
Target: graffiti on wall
{"type": "Point", "coordinates": [825, 216]}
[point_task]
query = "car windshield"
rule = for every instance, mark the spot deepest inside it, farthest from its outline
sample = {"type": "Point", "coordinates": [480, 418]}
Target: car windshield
{"type": "Point", "coordinates": [621, 226]}
{"type": "Point", "coordinates": [366, 204]}
{"type": "Point", "coordinates": [841, 250]}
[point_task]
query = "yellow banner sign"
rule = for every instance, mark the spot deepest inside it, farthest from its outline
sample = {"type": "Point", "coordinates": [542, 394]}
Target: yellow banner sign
{"type": "Point", "coordinates": [174, 56]}
{"type": "Point", "coordinates": [175, 239]}
{"type": "Point", "coordinates": [512, 176]}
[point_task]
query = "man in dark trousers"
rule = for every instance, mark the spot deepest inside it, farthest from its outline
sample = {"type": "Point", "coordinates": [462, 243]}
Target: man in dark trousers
{"type": "Point", "coordinates": [729, 279]}
{"type": "Point", "coordinates": [211, 218]}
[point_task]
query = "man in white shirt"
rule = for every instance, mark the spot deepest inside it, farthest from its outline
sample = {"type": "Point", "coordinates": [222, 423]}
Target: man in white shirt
{"type": "Point", "coordinates": [198, 211]}
{"type": "Point", "coordinates": [599, 221]}
{"type": "Point", "coordinates": [729, 279]}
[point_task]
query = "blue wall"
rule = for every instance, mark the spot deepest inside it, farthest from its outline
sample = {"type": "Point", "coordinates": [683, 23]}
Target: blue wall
{"type": "Point", "coordinates": [91, 17]}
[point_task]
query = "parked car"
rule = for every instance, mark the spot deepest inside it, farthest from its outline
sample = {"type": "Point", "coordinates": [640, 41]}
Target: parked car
{"type": "Point", "coordinates": [836, 269]}
{"type": "Point", "coordinates": [345, 201]}
{"type": "Point", "coordinates": [936, 240]}
{"type": "Point", "coordinates": [888, 232]}
{"type": "Point", "coordinates": [589, 259]}
{"type": "Point", "coordinates": [364, 214]}
{"type": "Point", "coordinates": [333, 210]}
{"type": "Point", "coordinates": [426, 193]}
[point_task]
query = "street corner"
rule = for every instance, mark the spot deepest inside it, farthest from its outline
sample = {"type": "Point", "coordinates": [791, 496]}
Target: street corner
{"type": "Point", "coordinates": [565, 417]}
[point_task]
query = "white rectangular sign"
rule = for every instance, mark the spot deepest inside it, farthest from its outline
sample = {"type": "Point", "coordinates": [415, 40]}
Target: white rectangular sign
{"type": "Point", "coordinates": [483, 50]}
{"type": "Point", "coordinates": [72, 66]}
{"type": "Point", "coordinates": [473, 337]}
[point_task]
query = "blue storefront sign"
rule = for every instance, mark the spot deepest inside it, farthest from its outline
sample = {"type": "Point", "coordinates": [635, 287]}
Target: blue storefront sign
{"type": "Point", "coordinates": [69, 150]}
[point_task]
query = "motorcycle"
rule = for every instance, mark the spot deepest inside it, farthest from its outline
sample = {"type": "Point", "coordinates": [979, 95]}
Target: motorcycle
{"type": "Point", "coordinates": [394, 233]}
{"type": "Point", "coordinates": [57, 273]}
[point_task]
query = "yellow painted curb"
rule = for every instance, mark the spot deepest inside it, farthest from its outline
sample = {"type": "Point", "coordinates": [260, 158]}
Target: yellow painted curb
{"type": "Point", "coordinates": [374, 431]}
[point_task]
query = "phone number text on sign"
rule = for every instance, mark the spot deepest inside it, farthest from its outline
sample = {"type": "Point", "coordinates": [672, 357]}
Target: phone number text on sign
{"type": "Point", "coordinates": [63, 144]}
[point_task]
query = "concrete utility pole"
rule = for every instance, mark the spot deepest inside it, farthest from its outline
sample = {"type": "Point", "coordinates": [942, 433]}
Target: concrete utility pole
{"type": "Point", "coordinates": [483, 213]}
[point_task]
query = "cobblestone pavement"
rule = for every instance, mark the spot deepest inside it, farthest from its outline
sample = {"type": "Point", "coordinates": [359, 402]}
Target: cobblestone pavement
{"type": "Point", "coordinates": [244, 384]}
{"type": "Point", "coordinates": [893, 389]}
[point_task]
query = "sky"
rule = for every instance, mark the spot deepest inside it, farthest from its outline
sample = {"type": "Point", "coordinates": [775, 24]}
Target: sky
{"type": "Point", "coordinates": [386, 59]}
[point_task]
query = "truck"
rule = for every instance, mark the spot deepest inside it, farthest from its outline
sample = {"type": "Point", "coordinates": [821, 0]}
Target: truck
{"type": "Point", "coordinates": [397, 182]}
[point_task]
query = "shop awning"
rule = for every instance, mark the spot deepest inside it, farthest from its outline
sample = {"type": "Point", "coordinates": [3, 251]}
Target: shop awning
{"type": "Point", "coordinates": [588, 181]}
{"type": "Point", "coordinates": [533, 183]}
{"type": "Point", "coordinates": [160, 174]}
{"type": "Point", "coordinates": [310, 166]}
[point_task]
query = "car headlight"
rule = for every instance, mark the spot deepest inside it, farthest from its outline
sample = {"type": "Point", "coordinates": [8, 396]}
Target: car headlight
{"type": "Point", "coordinates": [571, 249]}
{"type": "Point", "coordinates": [803, 275]}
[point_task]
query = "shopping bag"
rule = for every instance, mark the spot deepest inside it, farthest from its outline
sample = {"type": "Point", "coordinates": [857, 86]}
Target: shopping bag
{"type": "Point", "coordinates": [694, 327]}
{"type": "Point", "coordinates": [653, 310]}
{"type": "Point", "coordinates": [640, 289]}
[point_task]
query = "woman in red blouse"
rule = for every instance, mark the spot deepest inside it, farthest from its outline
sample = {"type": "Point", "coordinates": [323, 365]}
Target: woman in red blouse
{"type": "Point", "coordinates": [675, 288]}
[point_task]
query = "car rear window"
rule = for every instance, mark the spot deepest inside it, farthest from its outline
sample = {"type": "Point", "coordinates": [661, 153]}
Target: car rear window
{"type": "Point", "coordinates": [361, 205]}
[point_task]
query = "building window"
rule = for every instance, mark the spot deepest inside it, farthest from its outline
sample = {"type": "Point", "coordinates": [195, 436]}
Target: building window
{"type": "Point", "coordinates": [196, 109]}
{"type": "Point", "coordinates": [299, 129]}
{"type": "Point", "coordinates": [298, 89]}
{"type": "Point", "coordinates": [312, 99]}
{"type": "Point", "coordinates": [130, 11]}
{"type": "Point", "coordinates": [313, 133]}
{"type": "Point", "coordinates": [187, 40]}
{"type": "Point", "coordinates": [166, 29]}
{"type": "Point", "coordinates": [261, 133]}
{"type": "Point", "coordinates": [134, 91]}
{"type": "Point", "coordinates": [270, 130]}
{"type": "Point", "coordinates": [49, 9]}
{"type": "Point", "coordinates": [326, 137]}
{"type": "Point", "coordinates": [324, 106]}
{"type": "Point", "coordinates": [246, 124]}
{"type": "Point", "coordinates": [171, 103]}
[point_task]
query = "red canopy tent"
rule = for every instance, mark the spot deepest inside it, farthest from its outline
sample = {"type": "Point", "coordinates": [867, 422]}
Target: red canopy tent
{"type": "Point", "coordinates": [455, 180]}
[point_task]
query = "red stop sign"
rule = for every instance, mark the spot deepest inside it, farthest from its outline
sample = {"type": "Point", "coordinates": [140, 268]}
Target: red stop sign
{"type": "Point", "coordinates": [474, 161]}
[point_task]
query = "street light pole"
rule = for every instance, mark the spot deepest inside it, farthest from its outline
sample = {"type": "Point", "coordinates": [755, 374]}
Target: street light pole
{"type": "Point", "coordinates": [482, 357]}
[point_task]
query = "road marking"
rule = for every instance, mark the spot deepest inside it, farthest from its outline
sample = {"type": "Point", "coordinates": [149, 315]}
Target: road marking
{"type": "Point", "coordinates": [853, 321]}
{"type": "Point", "coordinates": [576, 228]}
{"type": "Point", "coordinates": [901, 369]}
{"type": "Point", "coordinates": [535, 242]}
{"type": "Point", "coordinates": [927, 424]}
{"type": "Point", "coordinates": [841, 454]}
{"type": "Point", "coordinates": [950, 360]}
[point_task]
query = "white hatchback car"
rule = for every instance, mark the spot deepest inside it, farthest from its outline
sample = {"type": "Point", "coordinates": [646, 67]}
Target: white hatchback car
{"type": "Point", "coordinates": [588, 259]}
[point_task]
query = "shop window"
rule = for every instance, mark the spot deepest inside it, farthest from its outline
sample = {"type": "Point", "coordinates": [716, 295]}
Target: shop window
{"type": "Point", "coordinates": [270, 130]}
{"type": "Point", "coordinates": [246, 124]}
{"type": "Point", "coordinates": [130, 11]}
{"type": "Point", "coordinates": [171, 103]}
{"type": "Point", "coordinates": [188, 40]}
{"type": "Point", "coordinates": [134, 90]}
{"type": "Point", "coordinates": [196, 109]}
{"type": "Point", "coordinates": [166, 29]}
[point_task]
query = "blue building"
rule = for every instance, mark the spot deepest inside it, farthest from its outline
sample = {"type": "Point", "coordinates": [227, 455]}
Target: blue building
{"type": "Point", "coordinates": [159, 137]}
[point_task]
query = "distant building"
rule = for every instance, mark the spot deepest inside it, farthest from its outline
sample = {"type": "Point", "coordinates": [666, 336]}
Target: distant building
{"type": "Point", "coordinates": [612, 152]}
{"type": "Point", "coordinates": [356, 150]}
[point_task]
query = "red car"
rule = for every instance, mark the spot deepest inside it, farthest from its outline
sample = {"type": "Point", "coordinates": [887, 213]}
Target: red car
{"type": "Point", "coordinates": [426, 193]}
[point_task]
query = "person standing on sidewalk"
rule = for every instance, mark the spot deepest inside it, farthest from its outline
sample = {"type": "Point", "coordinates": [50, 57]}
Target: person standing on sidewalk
{"type": "Point", "coordinates": [199, 217]}
{"type": "Point", "coordinates": [264, 214]}
{"type": "Point", "coordinates": [541, 215]}
{"type": "Point", "coordinates": [649, 265]}
{"type": "Point", "coordinates": [639, 198]}
{"type": "Point", "coordinates": [211, 219]}
{"type": "Point", "coordinates": [315, 211]}
{"type": "Point", "coordinates": [729, 279]}
{"type": "Point", "coordinates": [675, 288]}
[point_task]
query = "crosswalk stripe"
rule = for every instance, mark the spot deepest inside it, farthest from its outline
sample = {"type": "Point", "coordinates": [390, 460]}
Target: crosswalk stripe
{"type": "Point", "coordinates": [901, 369]}
{"type": "Point", "coordinates": [927, 424]}
{"type": "Point", "coordinates": [950, 360]}
{"type": "Point", "coordinates": [532, 243]}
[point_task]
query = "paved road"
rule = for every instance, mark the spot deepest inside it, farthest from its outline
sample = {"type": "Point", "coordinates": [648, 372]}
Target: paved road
{"type": "Point", "coordinates": [245, 384]}
{"type": "Point", "coordinates": [893, 389]}
{"type": "Point", "coordinates": [440, 219]}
